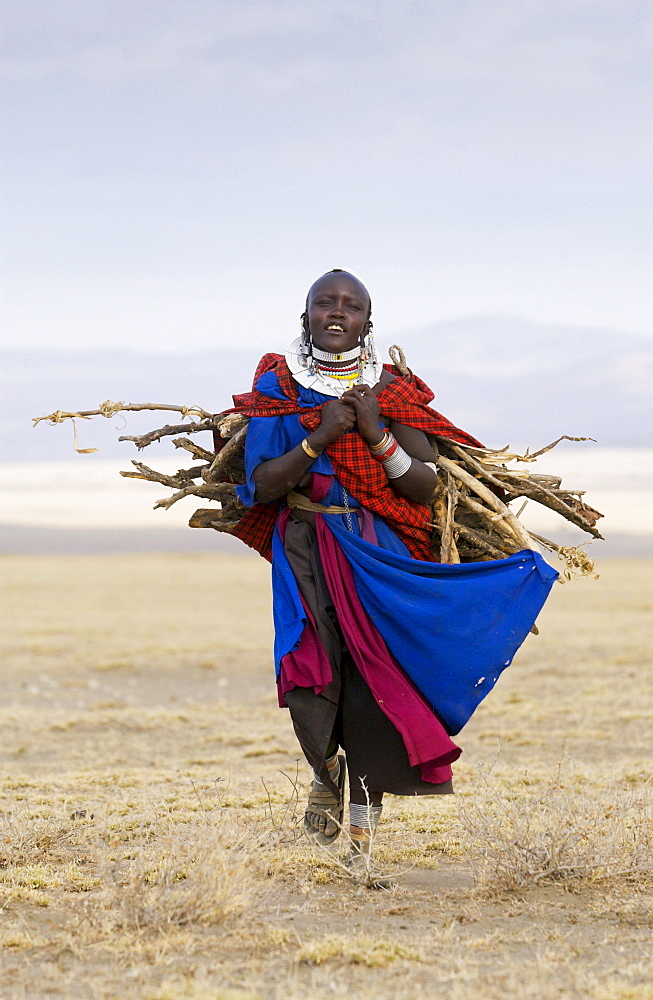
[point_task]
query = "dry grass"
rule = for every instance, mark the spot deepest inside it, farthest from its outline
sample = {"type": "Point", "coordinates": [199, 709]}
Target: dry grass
{"type": "Point", "coordinates": [569, 830]}
{"type": "Point", "coordinates": [196, 875]}
{"type": "Point", "coordinates": [363, 949]}
{"type": "Point", "coordinates": [26, 839]}
{"type": "Point", "coordinates": [150, 811]}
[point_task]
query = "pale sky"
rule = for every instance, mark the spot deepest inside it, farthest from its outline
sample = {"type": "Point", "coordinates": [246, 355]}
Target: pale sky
{"type": "Point", "coordinates": [179, 171]}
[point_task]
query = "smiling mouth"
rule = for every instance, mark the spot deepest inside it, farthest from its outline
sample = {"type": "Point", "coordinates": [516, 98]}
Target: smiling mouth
{"type": "Point", "coordinates": [336, 328]}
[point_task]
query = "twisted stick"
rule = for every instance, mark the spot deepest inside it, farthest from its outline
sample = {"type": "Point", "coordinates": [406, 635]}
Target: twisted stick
{"type": "Point", "coordinates": [448, 550]}
{"type": "Point", "coordinates": [222, 459]}
{"type": "Point", "coordinates": [182, 478]}
{"type": "Point", "coordinates": [109, 409]}
{"type": "Point", "coordinates": [398, 359]}
{"type": "Point", "coordinates": [143, 440]}
{"type": "Point", "coordinates": [195, 449]}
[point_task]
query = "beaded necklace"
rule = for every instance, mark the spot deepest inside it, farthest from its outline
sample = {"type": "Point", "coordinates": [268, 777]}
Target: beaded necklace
{"type": "Point", "coordinates": [307, 369]}
{"type": "Point", "coordinates": [344, 374]}
{"type": "Point", "coordinates": [351, 355]}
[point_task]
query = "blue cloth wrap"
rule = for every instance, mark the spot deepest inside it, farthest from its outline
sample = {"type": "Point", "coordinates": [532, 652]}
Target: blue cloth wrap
{"type": "Point", "coordinates": [453, 628]}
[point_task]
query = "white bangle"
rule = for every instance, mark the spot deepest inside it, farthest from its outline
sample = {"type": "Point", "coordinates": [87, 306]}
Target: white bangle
{"type": "Point", "coordinates": [398, 464]}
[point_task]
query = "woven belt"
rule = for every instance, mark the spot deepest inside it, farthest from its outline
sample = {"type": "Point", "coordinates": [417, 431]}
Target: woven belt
{"type": "Point", "coordinates": [301, 502]}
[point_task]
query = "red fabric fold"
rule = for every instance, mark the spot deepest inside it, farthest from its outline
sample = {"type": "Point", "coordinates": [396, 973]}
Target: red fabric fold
{"type": "Point", "coordinates": [307, 666]}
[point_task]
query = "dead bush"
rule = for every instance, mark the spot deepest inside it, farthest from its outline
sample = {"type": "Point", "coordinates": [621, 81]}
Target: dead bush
{"type": "Point", "coordinates": [570, 829]}
{"type": "Point", "coordinates": [196, 873]}
{"type": "Point", "coordinates": [26, 839]}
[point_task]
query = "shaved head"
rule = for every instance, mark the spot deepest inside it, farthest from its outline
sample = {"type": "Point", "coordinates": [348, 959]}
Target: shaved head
{"type": "Point", "coordinates": [357, 287]}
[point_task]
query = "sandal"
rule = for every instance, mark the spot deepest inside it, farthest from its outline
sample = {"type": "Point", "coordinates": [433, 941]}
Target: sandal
{"type": "Point", "coordinates": [322, 802]}
{"type": "Point", "coordinates": [362, 867]}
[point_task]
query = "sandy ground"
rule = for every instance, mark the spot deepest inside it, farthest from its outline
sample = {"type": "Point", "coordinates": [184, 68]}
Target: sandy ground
{"type": "Point", "coordinates": [150, 822]}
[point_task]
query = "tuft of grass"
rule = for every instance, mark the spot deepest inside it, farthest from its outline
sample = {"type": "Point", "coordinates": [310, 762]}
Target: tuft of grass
{"type": "Point", "coordinates": [569, 830]}
{"type": "Point", "coordinates": [29, 840]}
{"type": "Point", "coordinates": [361, 950]}
{"type": "Point", "coordinates": [190, 874]}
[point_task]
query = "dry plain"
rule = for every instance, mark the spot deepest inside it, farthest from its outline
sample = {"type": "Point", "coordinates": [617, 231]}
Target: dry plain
{"type": "Point", "coordinates": [150, 823]}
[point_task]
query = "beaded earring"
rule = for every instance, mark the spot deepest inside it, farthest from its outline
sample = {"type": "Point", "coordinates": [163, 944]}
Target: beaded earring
{"type": "Point", "coordinates": [306, 344]}
{"type": "Point", "coordinates": [305, 332]}
{"type": "Point", "coordinates": [368, 350]}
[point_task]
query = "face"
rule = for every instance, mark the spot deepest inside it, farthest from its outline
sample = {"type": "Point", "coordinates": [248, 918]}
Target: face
{"type": "Point", "coordinates": [338, 311]}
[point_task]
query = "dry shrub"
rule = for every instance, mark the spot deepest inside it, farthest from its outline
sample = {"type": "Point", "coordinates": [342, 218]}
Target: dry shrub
{"type": "Point", "coordinates": [196, 873]}
{"type": "Point", "coordinates": [26, 839]}
{"type": "Point", "coordinates": [570, 829]}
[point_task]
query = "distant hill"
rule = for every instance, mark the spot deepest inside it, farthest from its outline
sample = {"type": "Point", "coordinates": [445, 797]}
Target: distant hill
{"type": "Point", "coordinates": [508, 380]}
{"type": "Point", "coordinates": [503, 379]}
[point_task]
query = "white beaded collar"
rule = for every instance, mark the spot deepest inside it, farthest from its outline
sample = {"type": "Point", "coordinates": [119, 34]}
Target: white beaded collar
{"type": "Point", "coordinates": [298, 365]}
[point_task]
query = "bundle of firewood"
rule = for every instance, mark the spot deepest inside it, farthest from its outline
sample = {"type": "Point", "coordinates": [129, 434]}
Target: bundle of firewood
{"type": "Point", "coordinates": [472, 521]}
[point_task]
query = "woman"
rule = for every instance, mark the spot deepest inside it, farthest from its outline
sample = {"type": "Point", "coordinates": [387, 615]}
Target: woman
{"type": "Point", "coordinates": [368, 637]}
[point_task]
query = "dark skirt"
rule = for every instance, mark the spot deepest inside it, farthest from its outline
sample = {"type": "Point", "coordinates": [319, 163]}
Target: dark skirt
{"type": "Point", "coordinates": [346, 715]}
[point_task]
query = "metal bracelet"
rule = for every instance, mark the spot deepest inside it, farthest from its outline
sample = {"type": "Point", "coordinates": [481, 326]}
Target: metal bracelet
{"type": "Point", "coordinates": [398, 464]}
{"type": "Point", "coordinates": [383, 444]}
{"type": "Point", "coordinates": [309, 451]}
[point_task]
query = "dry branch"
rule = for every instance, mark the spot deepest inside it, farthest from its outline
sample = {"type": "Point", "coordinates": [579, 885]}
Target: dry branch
{"type": "Point", "coordinates": [184, 477]}
{"type": "Point", "coordinates": [143, 440]}
{"type": "Point", "coordinates": [195, 449]}
{"type": "Point", "coordinates": [563, 503]}
{"type": "Point", "coordinates": [505, 455]}
{"type": "Point", "coordinates": [224, 457]}
{"type": "Point", "coordinates": [490, 498]}
{"type": "Point", "coordinates": [494, 522]}
{"type": "Point", "coordinates": [472, 520]}
{"type": "Point", "coordinates": [109, 409]}
{"type": "Point", "coordinates": [446, 508]}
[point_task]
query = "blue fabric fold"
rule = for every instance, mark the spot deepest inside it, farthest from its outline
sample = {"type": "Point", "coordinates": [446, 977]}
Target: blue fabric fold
{"type": "Point", "coordinates": [453, 628]}
{"type": "Point", "coordinates": [287, 608]}
{"type": "Point", "coordinates": [269, 437]}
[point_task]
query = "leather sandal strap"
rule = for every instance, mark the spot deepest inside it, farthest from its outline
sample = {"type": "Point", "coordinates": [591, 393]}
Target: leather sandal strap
{"type": "Point", "coordinates": [320, 795]}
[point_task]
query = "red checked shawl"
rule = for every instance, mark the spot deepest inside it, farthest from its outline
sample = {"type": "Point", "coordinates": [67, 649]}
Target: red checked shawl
{"type": "Point", "coordinates": [406, 401]}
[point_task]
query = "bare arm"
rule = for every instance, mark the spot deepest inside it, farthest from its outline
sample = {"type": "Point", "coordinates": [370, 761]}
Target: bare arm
{"type": "Point", "coordinates": [419, 482]}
